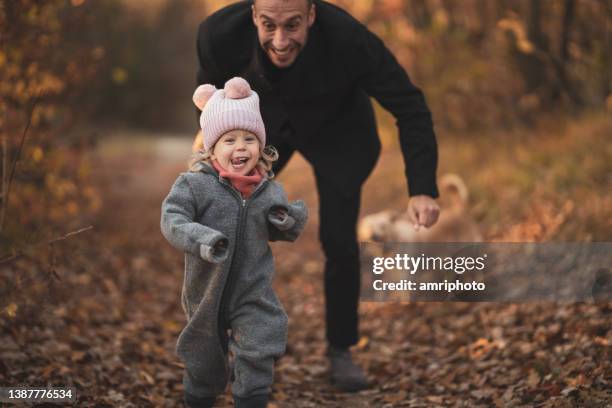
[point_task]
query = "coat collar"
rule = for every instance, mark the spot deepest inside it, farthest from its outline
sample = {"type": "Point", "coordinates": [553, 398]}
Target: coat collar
{"type": "Point", "coordinates": [202, 167]}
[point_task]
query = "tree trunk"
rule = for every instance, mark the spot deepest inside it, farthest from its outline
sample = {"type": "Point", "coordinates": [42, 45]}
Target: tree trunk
{"type": "Point", "coordinates": [532, 65]}
{"type": "Point", "coordinates": [564, 84]}
{"type": "Point", "coordinates": [419, 14]}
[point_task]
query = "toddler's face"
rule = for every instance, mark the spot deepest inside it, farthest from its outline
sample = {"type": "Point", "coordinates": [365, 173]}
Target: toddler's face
{"type": "Point", "coordinates": [237, 151]}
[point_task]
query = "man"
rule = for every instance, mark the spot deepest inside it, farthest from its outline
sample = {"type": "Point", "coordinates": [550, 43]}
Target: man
{"type": "Point", "coordinates": [314, 67]}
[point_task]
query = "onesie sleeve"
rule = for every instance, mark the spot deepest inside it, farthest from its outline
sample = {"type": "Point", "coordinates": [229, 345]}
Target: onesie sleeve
{"type": "Point", "coordinates": [179, 227]}
{"type": "Point", "coordinates": [291, 225]}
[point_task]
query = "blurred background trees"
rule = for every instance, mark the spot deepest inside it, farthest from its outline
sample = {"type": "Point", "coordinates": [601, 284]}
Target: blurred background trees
{"type": "Point", "coordinates": [499, 63]}
{"type": "Point", "coordinates": [44, 71]}
{"type": "Point", "coordinates": [514, 59]}
{"type": "Point", "coordinates": [481, 63]}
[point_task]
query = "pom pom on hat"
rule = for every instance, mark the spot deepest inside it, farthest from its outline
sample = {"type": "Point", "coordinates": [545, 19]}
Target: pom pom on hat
{"type": "Point", "coordinates": [202, 94]}
{"type": "Point", "coordinates": [237, 88]}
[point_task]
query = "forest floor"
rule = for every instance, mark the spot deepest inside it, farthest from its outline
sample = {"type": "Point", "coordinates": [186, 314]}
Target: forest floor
{"type": "Point", "coordinates": [109, 323]}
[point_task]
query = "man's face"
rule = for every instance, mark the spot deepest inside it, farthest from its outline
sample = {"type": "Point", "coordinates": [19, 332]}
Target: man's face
{"type": "Point", "coordinates": [282, 28]}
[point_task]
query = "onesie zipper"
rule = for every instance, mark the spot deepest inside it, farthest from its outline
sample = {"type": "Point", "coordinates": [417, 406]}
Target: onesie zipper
{"type": "Point", "coordinates": [223, 316]}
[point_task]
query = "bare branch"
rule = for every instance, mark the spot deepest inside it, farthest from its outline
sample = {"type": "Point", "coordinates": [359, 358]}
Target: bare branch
{"type": "Point", "coordinates": [16, 254]}
{"type": "Point", "coordinates": [70, 234]}
{"type": "Point", "coordinates": [5, 196]}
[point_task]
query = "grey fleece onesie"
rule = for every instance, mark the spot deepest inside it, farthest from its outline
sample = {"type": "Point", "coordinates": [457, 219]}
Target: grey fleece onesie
{"type": "Point", "coordinates": [227, 282]}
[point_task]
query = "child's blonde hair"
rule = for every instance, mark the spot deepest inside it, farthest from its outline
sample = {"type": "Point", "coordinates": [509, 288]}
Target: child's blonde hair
{"type": "Point", "coordinates": [267, 156]}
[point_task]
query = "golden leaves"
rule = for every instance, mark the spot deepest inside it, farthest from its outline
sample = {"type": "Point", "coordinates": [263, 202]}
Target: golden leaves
{"type": "Point", "coordinates": [363, 343]}
{"type": "Point", "coordinates": [37, 154]}
{"type": "Point", "coordinates": [98, 53]}
{"type": "Point", "coordinates": [119, 75]}
{"type": "Point", "coordinates": [517, 28]}
{"type": "Point", "coordinates": [11, 310]}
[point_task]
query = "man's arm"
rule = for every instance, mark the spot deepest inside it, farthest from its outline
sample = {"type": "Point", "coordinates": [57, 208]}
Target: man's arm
{"type": "Point", "coordinates": [382, 77]}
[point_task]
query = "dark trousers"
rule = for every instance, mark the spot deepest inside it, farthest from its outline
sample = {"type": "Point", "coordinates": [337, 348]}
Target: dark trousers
{"type": "Point", "coordinates": [338, 215]}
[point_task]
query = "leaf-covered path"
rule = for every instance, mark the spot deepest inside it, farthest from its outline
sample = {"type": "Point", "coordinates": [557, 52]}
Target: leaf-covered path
{"type": "Point", "coordinates": [111, 327]}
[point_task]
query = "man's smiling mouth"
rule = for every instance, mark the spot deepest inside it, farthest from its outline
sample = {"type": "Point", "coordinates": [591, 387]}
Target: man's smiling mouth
{"type": "Point", "coordinates": [282, 53]}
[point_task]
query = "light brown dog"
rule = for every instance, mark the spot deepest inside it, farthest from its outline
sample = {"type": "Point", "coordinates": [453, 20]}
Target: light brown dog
{"type": "Point", "coordinates": [454, 223]}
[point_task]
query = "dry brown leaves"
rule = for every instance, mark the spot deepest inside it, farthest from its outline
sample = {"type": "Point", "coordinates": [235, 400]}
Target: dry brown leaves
{"type": "Point", "coordinates": [110, 325]}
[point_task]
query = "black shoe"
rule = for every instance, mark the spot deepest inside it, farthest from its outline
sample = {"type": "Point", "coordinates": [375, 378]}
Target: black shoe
{"type": "Point", "coordinates": [344, 373]}
{"type": "Point", "coordinates": [256, 401]}
{"type": "Point", "coordinates": [191, 401]}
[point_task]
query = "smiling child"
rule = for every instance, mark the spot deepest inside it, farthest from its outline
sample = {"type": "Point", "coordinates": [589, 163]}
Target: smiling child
{"type": "Point", "coordinates": [222, 213]}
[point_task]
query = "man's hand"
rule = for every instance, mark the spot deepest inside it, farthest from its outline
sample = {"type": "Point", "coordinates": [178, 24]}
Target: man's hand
{"type": "Point", "coordinates": [423, 211]}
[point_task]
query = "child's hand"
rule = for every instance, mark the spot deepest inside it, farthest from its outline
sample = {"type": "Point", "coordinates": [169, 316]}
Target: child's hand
{"type": "Point", "coordinates": [215, 253]}
{"type": "Point", "coordinates": [279, 213]}
{"type": "Point", "coordinates": [287, 221]}
{"type": "Point", "coordinates": [220, 247]}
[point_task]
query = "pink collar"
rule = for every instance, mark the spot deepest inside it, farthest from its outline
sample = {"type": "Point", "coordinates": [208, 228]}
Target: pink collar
{"type": "Point", "coordinates": [245, 184]}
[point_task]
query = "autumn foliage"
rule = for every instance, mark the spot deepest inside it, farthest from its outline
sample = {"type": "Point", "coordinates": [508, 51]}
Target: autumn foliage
{"type": "Point", "coordinates": [44, 159]}
{"type": "Point", "coordinates": [521, 100]}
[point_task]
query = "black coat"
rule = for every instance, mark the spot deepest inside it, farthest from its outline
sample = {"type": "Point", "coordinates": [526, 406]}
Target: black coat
{"type": "Point", "coordinates": [321, 106]}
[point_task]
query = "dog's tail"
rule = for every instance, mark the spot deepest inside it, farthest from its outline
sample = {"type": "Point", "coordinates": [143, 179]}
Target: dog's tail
{"type": "Point", "coordinates": [454, 189]}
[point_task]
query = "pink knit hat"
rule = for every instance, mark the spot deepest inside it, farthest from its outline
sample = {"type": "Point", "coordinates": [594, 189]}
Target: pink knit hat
{"type": "Point", "coordinates": [235, 106]}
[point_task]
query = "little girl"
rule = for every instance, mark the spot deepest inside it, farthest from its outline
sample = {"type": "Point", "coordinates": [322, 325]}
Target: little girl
{"type": "Point", "coordinates": [222, 213]}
